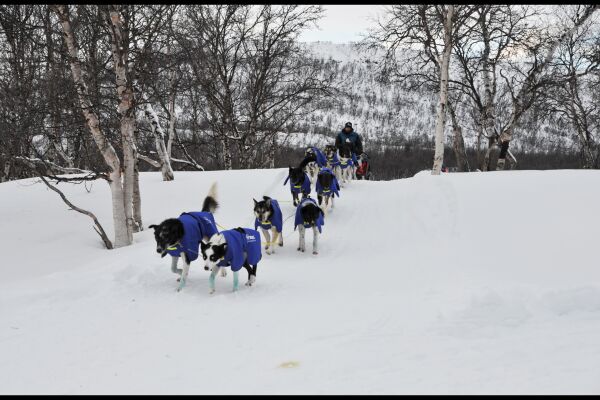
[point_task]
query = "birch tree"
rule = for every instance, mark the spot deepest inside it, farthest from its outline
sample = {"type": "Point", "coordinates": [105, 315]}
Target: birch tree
{"type": "Point", "coordinates": [447, 13]}
{"type": "Point", "coordinates": [122, 198]}
{"type": "Point", "coordinates": [419, 41]}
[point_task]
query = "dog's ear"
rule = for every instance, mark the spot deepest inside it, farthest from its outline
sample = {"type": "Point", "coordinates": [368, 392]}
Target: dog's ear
{"type": "Point", "coordinates": [204, 246]}
{"type": "Point", "coordinates": [255, 202]}
{"type": "Point", "coordinates": [153, 227]}
{"type": "Point", "coordinates": [268, 202]}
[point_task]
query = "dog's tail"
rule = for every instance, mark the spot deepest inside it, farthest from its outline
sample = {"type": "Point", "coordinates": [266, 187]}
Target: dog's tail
{"type": "Point", "coordinates": [210, 202]}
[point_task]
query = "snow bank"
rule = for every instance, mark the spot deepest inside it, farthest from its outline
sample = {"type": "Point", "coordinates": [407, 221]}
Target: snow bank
{"type": "Point", "coordinates": [463, 283]}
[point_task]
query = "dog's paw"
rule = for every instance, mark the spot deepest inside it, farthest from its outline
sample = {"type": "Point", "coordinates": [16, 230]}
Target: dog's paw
{"type": "Point", "coordinates": [251, 280]}
{"type": "Point", "coordinates": [281, 244]}
{"type": "Point", "coordinates": [299, 248]}
{"type": "Point", "coordinates": [178, 279]}
{"type": "Point", "coordinates": [211, 291]}
{"type": "Point", "coordinates": [223, 272]}
{"type": "Point", "coordinates": [315, 252]}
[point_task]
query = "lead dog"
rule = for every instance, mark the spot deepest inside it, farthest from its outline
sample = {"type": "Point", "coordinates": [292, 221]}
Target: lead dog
{"type": "Point", "coordinates": [269, 218]}
{"type": "Point", "coordinates": [309, 215]}
{"type": "Point", "coordinates": [181, 237]}
{"type": "Point", "coordinates": [235, 248]}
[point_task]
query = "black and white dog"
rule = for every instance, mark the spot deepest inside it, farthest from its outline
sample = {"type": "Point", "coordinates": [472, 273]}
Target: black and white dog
{"type": "Point", "coordinates": [299, 180]}
{"type": "Point", "coordinates": [270, 219]}
{"type": "Point", "coordinates": [348, 171]}
{"type": "Point", "coordinates": [327, 188]}
{"type": "Point", "coordinates": [312, 168]}
{"type": "Point", "coordinates": [235, 248]}
{"type": "Point", "coordinates": [181, 237]}
{"type": "Point", "coordinates": [309, 215]}
{"type": "Point", "coordinates": [333, 161]}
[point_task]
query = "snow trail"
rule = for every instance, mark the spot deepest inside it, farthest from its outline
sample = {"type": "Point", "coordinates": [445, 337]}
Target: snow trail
{"type": "Point", "coordinates": [403, 297]}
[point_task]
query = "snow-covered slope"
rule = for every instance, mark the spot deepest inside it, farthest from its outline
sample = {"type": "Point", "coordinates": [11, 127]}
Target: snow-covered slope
{"type": "Point", "coordinates": [390, 113]}
{"type": "Point", "coordinates": [462, 283]}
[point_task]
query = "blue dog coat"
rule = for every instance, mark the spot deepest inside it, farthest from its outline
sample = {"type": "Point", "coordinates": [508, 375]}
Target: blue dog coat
{"type": "Point", "coordinates": [195, 226]}
{"type": "Point", "coordinates": [321, 159]}
{"type": "Point", "coordinates": [347, 164]}
{"type": "Point", "coordinates": [299, 221]}
{"type": "Point", "coordinates": [241, 247]}
{"type": "Point", "coordinates": [305, 187]}
{"type": "Point", "coordinates": [336, 161]}
{"type": "Point", "coordinates": [276, 218]}
{"type": "Point", "coordinates": [335, 187]}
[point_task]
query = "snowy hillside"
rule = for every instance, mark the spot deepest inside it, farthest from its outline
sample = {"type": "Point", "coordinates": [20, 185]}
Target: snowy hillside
{"type": "Point", "coordinates": [389, 113]}
{"type": "Point", "coordinates": [422, 285]}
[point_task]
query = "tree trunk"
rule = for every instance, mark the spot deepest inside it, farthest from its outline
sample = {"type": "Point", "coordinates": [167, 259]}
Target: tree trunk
{"type": "Point", "coordinates": [159, 140]}
{"type": "Point", "coordinates": [122, 235]}
{"type": "Point", "coordinates": [137, 199]}
{"type": "Point", "coordinates": [171, 121]}
{"type": "Point", "coordinates": [458, 143]}
{"type": "Point", "coordinates": [6, 171]}
{"type": "Point", "coordinates": [438, 158]}
{"type": "Point", "coordinates": [227, 158]}
{"type": "Point", "coordinates": [488, 114]}
{"type": "Point", "coordinates": [272, 151]}
{"type": "Point", "coordinates": [126, 108]}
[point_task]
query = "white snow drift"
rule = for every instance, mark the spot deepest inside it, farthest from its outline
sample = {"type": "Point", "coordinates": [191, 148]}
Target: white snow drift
{"type": "Point", "coordinates": [461, 283]}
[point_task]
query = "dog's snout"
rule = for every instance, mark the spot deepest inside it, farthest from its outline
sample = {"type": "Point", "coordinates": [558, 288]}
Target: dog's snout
{"type": "Point", "coordinates": [205, 268]}
{"type": "Point", "coordinates": [159, 250]}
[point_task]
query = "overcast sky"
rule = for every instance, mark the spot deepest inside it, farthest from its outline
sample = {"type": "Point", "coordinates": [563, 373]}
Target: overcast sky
{"type": "Point", "coordinates": [343, 23]}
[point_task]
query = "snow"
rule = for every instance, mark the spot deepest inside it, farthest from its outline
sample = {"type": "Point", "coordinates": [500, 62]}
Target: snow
{"type": "Point", "coordinates": [402, 299]}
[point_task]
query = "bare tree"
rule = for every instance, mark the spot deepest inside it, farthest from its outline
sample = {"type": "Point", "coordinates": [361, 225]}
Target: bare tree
{"type": "Point", "coordinates": [570, 95]}
{"type": "Point", "coordinates": [254, 77]}
{"type": "Point", "coordinates": [122, 219]}
{"type": "Point", "coordinates": [433, 29]}
{"type": "Point", "coordinates": [525, 92]}
{"type": "Point", "coordinates": [497, 30]}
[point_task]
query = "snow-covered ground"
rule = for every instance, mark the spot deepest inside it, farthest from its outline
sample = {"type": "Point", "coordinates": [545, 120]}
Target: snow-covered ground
{"type": "Point", "coordinates": [458, 284]}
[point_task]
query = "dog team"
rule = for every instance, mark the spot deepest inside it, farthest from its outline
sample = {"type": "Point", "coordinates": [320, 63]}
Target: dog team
{"type": "Point", "coordinates": [195, 233]}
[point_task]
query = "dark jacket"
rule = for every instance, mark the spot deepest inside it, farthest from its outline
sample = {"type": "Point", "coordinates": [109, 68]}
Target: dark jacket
{"type": "Point", "coordinates": [354, 139]}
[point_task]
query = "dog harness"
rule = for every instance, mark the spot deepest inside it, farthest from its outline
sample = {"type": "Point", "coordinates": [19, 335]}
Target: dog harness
{"type": "Point", "coordinates": [333, 190]}
{"type": "Point", "coordinates": [321, 159]}
{"type": "Point", "coordinates": [299, 221]}
{"type": "Point", "coordinates": [196, 225]}
{"type": "Point", "coordinates": [276, 218]}
{"type": "Point", "coordinates": [304, 187]}
{"type": "Point", "coordinates": [346, 164]}
{"type": "Point", "coordinates": [241, 247]}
